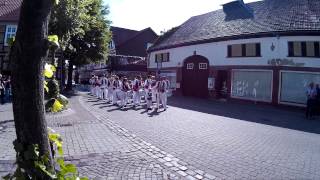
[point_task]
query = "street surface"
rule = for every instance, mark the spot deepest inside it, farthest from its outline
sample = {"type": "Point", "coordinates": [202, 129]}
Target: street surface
{"type": "Point", "coordinates": [193, 139]}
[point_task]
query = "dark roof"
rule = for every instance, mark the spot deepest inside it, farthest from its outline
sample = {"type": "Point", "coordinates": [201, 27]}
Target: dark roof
{"type": "Point", "coordinates": [137, 45]}
{"type": "Point", "coordinates": [132, 43]}
{"type": "Point", "coordinates": [121, 35]}
{"type": "Point", "coordinates": [10, 10]}
{"type": "Point", "coordinates": [263, 17]}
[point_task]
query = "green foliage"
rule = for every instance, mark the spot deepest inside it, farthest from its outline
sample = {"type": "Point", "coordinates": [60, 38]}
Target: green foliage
{"type": "Point", "coordinates": [53, 86]}
{"type": "Point", "coordinates": [31, 165]}
{"type": "Point", "coordinates": [30, 158]}
{"type": "Point", "coordinates": [83, 30]}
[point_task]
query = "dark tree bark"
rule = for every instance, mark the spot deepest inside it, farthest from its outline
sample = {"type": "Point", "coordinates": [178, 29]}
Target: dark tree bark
{"type": "Point", "coordinates": [70, 73]}
{"type": "Point", "coordinates": [27, 56]}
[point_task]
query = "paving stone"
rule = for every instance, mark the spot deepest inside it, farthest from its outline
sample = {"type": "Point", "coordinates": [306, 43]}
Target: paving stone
{"type": "Point", "coordinates": [182, 173]}
{"type": "Point", "coordinates": [183, 168]}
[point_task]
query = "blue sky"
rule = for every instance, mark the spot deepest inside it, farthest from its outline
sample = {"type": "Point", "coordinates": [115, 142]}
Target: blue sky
{"type": "Point", "coordinates": [158, 14]}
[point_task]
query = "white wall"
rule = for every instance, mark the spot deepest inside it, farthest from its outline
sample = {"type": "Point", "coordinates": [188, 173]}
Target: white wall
{"type": "Point", "coordinates": [216, 52]}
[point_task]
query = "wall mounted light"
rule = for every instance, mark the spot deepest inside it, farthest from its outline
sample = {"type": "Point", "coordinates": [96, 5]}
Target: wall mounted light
{"type": "Point", "coordinates": [272, 47]}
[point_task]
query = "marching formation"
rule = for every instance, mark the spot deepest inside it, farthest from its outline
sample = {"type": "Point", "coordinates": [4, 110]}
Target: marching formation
{"type": "Point", "coordinates": [123, 92]}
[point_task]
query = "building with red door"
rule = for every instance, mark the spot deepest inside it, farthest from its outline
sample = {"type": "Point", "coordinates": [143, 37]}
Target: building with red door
{"type": "Point", "coordinates": [266, 51]}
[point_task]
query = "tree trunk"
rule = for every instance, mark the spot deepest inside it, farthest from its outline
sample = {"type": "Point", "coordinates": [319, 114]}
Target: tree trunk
{"type": "Point", "coordinates": [27, 56]}
{"type": "Point", "coordinates": [70, 78]}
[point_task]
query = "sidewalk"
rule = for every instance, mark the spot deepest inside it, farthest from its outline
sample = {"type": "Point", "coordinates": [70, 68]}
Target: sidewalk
{"type": "Point", "coordinates": [98, 151]}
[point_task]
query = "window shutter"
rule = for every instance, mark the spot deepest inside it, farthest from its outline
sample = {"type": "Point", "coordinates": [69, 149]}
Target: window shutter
{"type": "Point", "coordinates": [258, 49]}
{"type": "Point", "coordinates": [290, 49]}
{"type": "Point", "coordinates": [316, 49]}
{"type": "Point", "coordinates": [243, 47]}
{"type": "Point", "coordinates": [229, 51]}
{"type": "Point", "coordinates": [156, 58]}
{"type": "Point", "coordinates": [304, 49]}
{"type": "Point", "coordinates": [168, 56]}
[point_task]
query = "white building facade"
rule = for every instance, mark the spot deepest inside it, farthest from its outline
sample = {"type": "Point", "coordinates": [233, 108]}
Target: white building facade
{"type": "Point", "coordinates": [271, 66]}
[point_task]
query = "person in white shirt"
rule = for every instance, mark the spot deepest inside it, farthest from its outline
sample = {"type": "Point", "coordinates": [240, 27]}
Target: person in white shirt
{"type": "Point", "coordinates": [136, 88]}
{"type": "Point", "coordinates": [116, 89]}
{"type": "Point", "coordinates": [162, 94]}
{"type": "Point", "coordinates": [125, 88]}
{"type": "Point", "coordinates": [97, 86]}
{"type": "Point", "coordinates": [92, 87]}
{"type": "Point", "coordinates": [104, 87]}
{"type": "Point", "coordinates": [110, 89]}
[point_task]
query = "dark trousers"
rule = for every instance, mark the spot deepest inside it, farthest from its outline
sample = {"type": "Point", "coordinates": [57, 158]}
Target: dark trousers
{"type": "Point", "coordinates": [2, 96]}
{"type": "Point", "coordinates": [311, 105]}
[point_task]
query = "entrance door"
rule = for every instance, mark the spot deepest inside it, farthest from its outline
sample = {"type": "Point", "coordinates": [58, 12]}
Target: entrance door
{"type": "Point", "coordinates": [221, 84]}
{"type": "Point", "coordinates": [195, 76]}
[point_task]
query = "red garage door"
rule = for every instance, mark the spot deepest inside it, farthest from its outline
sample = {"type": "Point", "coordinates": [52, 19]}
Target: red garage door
{"type": "Point", "coordinates": [195, 76]}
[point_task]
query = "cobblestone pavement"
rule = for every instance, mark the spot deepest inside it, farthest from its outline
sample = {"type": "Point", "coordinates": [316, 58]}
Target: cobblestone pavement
{"type": "Point", "coordinates": [193, 139]}
{"type": "Point", "coordinates": [225, 140]}
{"type": "Point", "coordinates": [98, 151]}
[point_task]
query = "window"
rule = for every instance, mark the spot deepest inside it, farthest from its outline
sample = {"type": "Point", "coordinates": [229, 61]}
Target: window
{"type": "Point", "coordinates": [252, 84]}
{"type": "Point", "coordinates": [203, 66]}
{"type": "Point", "coordinates": [111, 45]}
{"type": "Point", "coordinates": [244, 50]}
{"type": "Point", "coordinates": [162, 57]}
{"type": "Point", "coordinates": [10, 33]}
{"type": "Point", "coordinates": [294, 85]}
{"type": "Point", "coordinates": [190, 66]}
{"type": "Point", "coordinates": [303, 49]}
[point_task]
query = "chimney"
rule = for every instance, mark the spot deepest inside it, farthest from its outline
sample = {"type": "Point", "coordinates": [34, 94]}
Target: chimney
{"type": "Point", "coordinates": [237, 9]}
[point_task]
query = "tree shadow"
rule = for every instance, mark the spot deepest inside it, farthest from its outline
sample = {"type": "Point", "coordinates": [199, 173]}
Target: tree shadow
{"type": "Point", "coordinates": [285, 117]}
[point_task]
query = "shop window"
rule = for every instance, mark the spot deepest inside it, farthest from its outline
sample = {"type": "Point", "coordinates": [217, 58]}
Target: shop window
{"type": "Point", "coordinates": [203, 66]}
{"type": "Point", "coordinates": [253, 85]}
{"type": "Point", "coordinates": [190, 65]}
{"type": "Point", "coordinates": [294, 85]}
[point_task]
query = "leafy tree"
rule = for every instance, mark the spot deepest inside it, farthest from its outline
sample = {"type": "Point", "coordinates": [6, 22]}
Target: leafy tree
{"type": "Point", "coordinates": [84, 30]}
{"type": "Point", "coordinates": [27, 55]}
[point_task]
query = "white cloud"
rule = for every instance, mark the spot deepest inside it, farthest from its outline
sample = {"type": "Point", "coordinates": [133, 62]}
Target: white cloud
{"type": "Point", "coordinates": [158, 14]}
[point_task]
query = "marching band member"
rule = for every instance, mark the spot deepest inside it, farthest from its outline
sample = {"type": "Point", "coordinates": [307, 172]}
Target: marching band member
{"type": "Point", "coordinates": [136, 87]}
{"type": "Point", "coordinates": [91, 81]}
{"type": "Point", "coordinates": [162, 94]}
{"type": "Point", "coordinates": [104, 87]}
{"type": "Point", "coordinates": [125, 88]}
{"type": "Point", "coordinates": [149, 98]}
{"type": "Point", "coordinates": [116, 89]}
{"type": "Point", "coordinates": [147, 84]}
{"type": "Point", "coordinates": [97, 86]}
{"type": "Point", "coordinates": [110, 89]}
{"type": "Point", "coordinates": [154, 88]}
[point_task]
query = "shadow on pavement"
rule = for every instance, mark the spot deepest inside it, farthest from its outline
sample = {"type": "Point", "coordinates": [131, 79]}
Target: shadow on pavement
{"type": "Point", "coordinates": [291, 118]}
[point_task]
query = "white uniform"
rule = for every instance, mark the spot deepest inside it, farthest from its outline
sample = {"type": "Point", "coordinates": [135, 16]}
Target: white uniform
{"type": "Point", "coordinates": [162, 94]}
{"type": "Point", "coordinates": [124, 94]}
{"type": "Point", "coordinates": [104, 88]}
{"type": "Point", "coordinates": [91, 81]}
{"type": "Point", "coordinates": [110, 90]}
{"type": "Point", "coordinates": [149, 98]}
{"type": "Point", "coordinates": [136, 93]}
{"type": "Point", "coordinates": [97, 87]}
{"type": "Point", "coordinates": [116, 91]}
